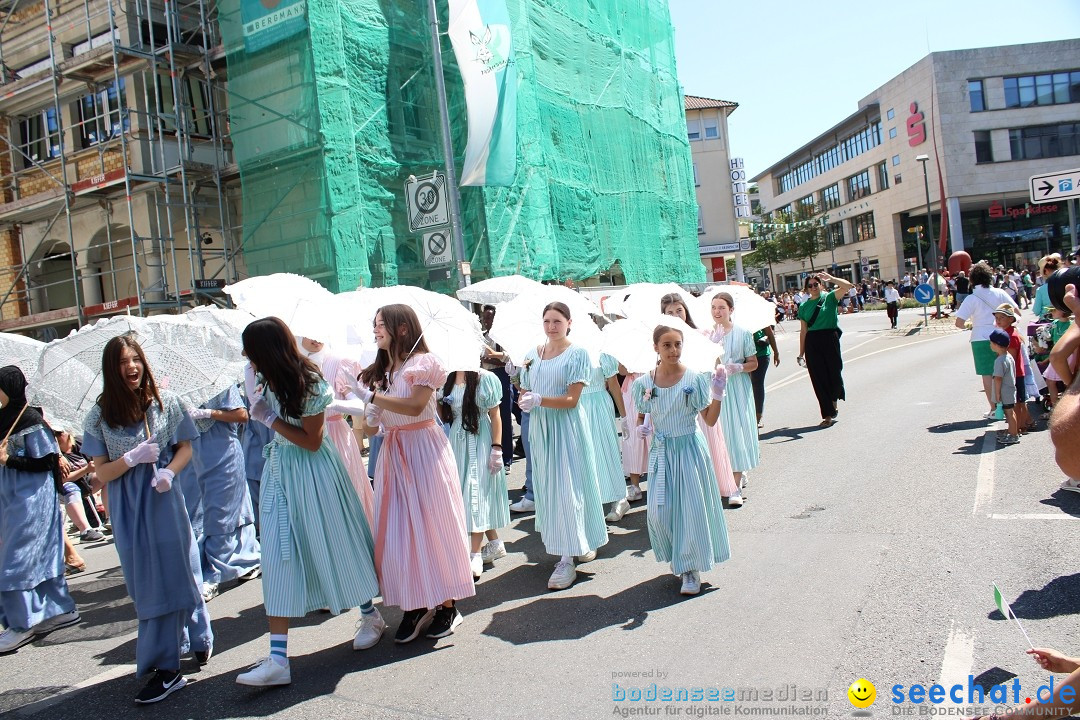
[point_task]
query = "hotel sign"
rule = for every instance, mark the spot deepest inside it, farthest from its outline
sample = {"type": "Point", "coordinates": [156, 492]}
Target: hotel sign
{"type": "Point", "coordinates": [738, 188]}
{"type": "Point", "coordinates": [270, 21]}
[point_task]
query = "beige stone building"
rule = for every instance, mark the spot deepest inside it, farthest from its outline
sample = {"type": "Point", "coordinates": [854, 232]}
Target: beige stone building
{"type": "Point", "coordinates": [718, 228]}
{"type": "Point", "coordinates": [986, 119]}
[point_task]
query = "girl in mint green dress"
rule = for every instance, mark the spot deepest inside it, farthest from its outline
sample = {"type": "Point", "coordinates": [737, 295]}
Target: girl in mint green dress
{"type": "Point", "coordinates": [596, 398]}
{"type": "Point", "coordinates": [685, 516]}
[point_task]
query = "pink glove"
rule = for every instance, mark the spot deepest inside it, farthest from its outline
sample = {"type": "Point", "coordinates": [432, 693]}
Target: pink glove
{"type": "Point", "coordinates": [260, 412]}
{"type": "Point", "coordinates": [163, 480]}
{"type": "Point", "coordinates": [199, 414]}
{"type": "Point", "coordinates": [719, 383]}
{"type": "Point", "coordinates": [644, 431]}
{"type": "Point", "coordinates": [495, 460]}
{"type": "Point", "coordinates": [529, 400]}
{"type": "Point", "coordinates": [733, 368]}
{"type": "Point", "coordinates": [145, 452]}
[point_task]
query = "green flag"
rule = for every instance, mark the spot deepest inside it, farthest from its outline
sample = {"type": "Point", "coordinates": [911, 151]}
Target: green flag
{"type": "Point", "coordinates": [1003, 607]}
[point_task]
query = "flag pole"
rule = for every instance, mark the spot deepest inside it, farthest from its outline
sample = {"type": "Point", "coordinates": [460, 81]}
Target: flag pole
{"type": "Point", "coordinates": [458, 239]}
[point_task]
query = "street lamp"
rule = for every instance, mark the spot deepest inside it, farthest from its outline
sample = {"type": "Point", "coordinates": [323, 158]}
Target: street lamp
{"type": "Point", "coordinates": [933, 243]}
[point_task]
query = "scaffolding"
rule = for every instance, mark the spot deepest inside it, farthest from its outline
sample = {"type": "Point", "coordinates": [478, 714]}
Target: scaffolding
{"type": "Point", "coordinates": [115, 163]}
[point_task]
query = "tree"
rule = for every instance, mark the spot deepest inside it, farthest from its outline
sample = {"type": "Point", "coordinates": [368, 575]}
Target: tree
{"type": "Point", "coordinates": [769, 250]}
{"type": "Point", "coordinates": [804, 239]}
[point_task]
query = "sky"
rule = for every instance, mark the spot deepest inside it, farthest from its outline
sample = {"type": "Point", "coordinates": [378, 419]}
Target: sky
{"type": "Point", "coordinates": [798, 67]}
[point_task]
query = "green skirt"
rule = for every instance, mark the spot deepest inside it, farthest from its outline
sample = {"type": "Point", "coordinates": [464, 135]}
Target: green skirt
{"type": "Point", "coordinates": [984, 357]}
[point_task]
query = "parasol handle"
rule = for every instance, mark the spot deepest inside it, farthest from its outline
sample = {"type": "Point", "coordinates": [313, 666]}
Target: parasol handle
{"type": "Point", "coordinates": [17, 419]}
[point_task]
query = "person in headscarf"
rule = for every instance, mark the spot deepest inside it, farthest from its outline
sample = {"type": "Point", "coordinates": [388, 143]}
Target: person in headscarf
{"type": "Point", "coordinates": [34, 598]}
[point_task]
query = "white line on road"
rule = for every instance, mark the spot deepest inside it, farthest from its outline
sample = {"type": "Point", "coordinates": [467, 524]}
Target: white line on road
{"type": "Point", "coordinates": [958, 660]}
{"type": "Point", "coordinates": [984, 483]}
{"type": "Point", "coordinates": [1031, 516]}
{"type": "Point", "coordinates": [46, 703]}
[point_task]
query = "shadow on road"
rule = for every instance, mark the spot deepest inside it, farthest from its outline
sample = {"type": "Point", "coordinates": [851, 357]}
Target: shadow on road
{"type": "Point", "coordinates": [973, 447]}
{"type": "Point", "coordinates": [1065, 500]}
{"type": "Point", "coordinates": [788, 434]}
{"type": "Point", "coordinates": [959, 426]}
{"type": "Point", "coordinates": [1061, 596]}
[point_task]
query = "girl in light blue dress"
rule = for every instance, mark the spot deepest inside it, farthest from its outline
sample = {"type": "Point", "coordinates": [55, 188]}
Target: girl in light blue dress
{"type": "Point", "coordinates": [471, 408]}
{"type": "Point", "coordinates": [34, 597]}
{"type": "Point", "coordinates": [569, 507]}
{"type": "Point", "coordinates": [596, 399]}
{"type": "Point", "coordinates": [739, 415]}
{"type": "Point", "coordinates": [686, 519]}
{"type": "Point", "coordinates": [140, 439]}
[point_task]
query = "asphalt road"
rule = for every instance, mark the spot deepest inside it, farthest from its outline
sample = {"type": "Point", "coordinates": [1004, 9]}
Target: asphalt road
{"type": "Point", "coordinates": [865, 550]}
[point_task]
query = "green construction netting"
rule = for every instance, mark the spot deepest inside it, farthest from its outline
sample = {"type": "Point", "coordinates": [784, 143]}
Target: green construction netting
{"type": "Point", "coordinates": [332, 112]}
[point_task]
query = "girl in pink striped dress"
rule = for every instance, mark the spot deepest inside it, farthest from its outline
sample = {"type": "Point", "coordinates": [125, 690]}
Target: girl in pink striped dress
{"type": "Point", "coordinates": [674, 305]}
{"type": "Point", "coordinates": [421, 547]}
{"type": "Point", "coordinates": [635, 448]}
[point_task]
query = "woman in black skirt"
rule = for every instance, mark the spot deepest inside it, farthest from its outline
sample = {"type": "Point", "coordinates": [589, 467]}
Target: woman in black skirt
{"type": "Point", "coordinates": [819, 341]}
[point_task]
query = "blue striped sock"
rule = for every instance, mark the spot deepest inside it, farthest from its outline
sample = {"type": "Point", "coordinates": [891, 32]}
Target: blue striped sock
{"type": "Point", "coordinates": [367, 608]}
{"type": "Point", "coordinates": [279, 649]}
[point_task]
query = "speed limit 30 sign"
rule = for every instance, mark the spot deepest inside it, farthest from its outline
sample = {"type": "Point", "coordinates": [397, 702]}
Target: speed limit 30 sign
{"type": "Point", "coordinates": [426, 200]}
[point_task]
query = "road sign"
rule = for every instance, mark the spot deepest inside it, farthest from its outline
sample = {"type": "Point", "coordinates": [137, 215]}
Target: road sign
{"type": "Point", "coordinates": [924, 293]}
{"type": "Point", "coordinates": [1055, 186]}
{"type": "Point", "coordinates": [437, 248]}
{"type": "Point", "coordinates": [426, 200]}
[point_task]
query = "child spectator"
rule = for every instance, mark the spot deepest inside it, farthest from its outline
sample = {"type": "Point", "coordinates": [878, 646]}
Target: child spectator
{"type": "Point", "coordinates": [1005, 383]}
{"type": "Point", "coordinates": [1005, 317]}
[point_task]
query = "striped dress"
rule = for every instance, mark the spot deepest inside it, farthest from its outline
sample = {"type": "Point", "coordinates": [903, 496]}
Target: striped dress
{"type": "Point", "coordinates": [737, 413]}
{"type": "Point", "coordinates": [336, 369]}
{"type": "Point", "coordinates": [569, 509]}
{"type": "Point", "coordinates": [635, 449]}
{"type": "Point", "coordinates": [685, 517]}
{"type": "Point", "coordinates": [598, 407]}
{"type": "Point", "coordinates": [487, 504]}
{"type": "Point", "coordinates": [316, 543]}
{"type": "Point", "coordinates": [421, 547]}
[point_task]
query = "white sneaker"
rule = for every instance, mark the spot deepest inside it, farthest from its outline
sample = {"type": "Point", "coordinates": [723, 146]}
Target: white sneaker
{"type": "Point", "coordinates": [476, 563]}
{"type": "Point", "coordinates": [736, 499]}
{"type": "Point", "coordinates": [492, 551]}
{"type": "Point", "coordinates": [618, 510]}
{"type": "Point", "coordinates": [13, 639]}
{"type": "Point", "coordinates": [587, 557]}
{"type": "Point", "coordinates": [265, 673]}
{"type": "Point", "coordinates": [369, 630]}
{"type": "Point", "coordinates": [251, 574]}
{"type": "Point", "coordinates": [1070, 484]}
{"type": "Point", "coordinates": [691, 583]}
{"type": "Point", "coordinates": [633, 493]}
{"type": "Point", "coordinates": [57, 621]}
{"type": "Point", "coordinates": [742, 481]}
{"type": "Point", "coordinates": [210, 591]}
{"type": "Point", "coordinates": [563, 577]}
{"type": "Point", "coordinates": [523, 505]}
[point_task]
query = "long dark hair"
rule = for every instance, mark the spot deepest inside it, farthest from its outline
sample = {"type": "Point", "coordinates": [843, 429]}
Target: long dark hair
{"type": "Point", "coordinates": [120, 405]}
{"type": "Point", "coordinates": [676, 299]}
{"type": "Point", "coordinates": [470, 411]}
{"type": "Point", "coordinates": [269, 345]}
{"type": "Point", "coordinates": [407, 339]}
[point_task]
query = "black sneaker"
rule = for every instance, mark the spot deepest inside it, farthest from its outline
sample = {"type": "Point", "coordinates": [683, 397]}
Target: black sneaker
{"type": "Point", "coordinates": [412, 622]}
{"type": "Point", "coordinates": [446, 619]}
{"type": "Point", "coordinates": [163, 684]}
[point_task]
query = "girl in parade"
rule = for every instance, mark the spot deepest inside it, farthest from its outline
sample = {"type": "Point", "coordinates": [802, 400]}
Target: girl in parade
{"type": "Point", "coordinates": [34, 597]}
{"type": "Point", "coordinates": [685, 517]}
{"type": "Point", "coordinates": [738, 417]}
{"type": "Point", "coordinates": [673, 304]}
{"type": "Point", "coordinates": [471, 407]}
{"type": "Point", "coordinates": [569, 508]}
{"type": "Point", "coordinates": [596, 400]}
{"type": "Point", "coordinates": [635, 449]}
{"type": "Point", "coordinates": [228, 546]}
{"type": "Point", "coordinates": [420, 547]}
{"type": "Point", "coordinates": [316, 543]}
{"type": "Point", "coordinates": [139, 440]}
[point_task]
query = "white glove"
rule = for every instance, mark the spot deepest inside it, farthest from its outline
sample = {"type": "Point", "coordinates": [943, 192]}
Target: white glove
{"type": "Point", "coordinates": [511, 369]}
{"type": "Point", "coordinates": [163, 480]}
{"type": "Point", "coordinates": [624, 426]}
{"type": "Point", "coordinates": [199, 414]}
{"type": "Point", "coordinates": [733, 368]}
{"type": "Point", "coordinates": [529, 400]}
{"type": "Point", "coordinates": [717, 334]}
{"type": "Point", "coordinates": [644, 431]}
{"type": "Point", "coordinates": [495, 460]}
{"type": "Point", "coordinates": [363, 393]}
{"type": "Point", "coordinates": [261, 412]}
{"type": "Point", "coordinates": [719, 383]}
{"type": "Point", "coordinates": [351, 405]}
{"type": "Point", "coordinates": [145, 452]}
{"type": "Point", "coordinates": [250, 389]}
{"type": "Point", "coordinates": [372, 415]}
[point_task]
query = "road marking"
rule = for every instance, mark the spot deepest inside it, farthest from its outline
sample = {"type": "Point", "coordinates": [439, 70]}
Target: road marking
{"type": "Point", "coordinates": [958, 660]}
{"type": "Point", "coordinates": [984, 482]}
{"type": "Point", "coordinates": [1031, 516]}
{"type": "Point", "coordinates": [45, 703]}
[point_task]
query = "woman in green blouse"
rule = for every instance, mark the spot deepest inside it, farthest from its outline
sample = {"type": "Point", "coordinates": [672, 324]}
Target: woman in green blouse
{"type": "Point", "coordinates": [819, 342]}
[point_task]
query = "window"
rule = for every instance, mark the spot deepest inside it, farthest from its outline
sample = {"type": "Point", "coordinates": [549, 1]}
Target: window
{"type": "Point", "coordinates": [700, 221]}
{"type": "Point", "coordinates": [104, 38]}
{"type": "Point", "coordinates": [697, 182]}
{"type": "Point", "coordinates": [1045, 141]}
{"type": "Point", "coordinates": [892, 133]}
{"type": "Point", "coordinates": [1048, 89]}
{"type": "Point", "coordinates": [33, 68]}
{"type": "Point", "coordinates": [712, 129]}
{"type": "Point", "coordinates": [851, 147]}
{"type": "Point", "coordinates": [984, 151]}
{"type": "Point", "coordinates": [103, 115]}
{"type": "Point", "coordinates": [883, 176]}
{"type": "Point", "coordinates": [194, 104]}
{"type": "Point", "coordinates": [890, 114]}
{"type": "Point", "coordinates": [806, 206]}
{"type": "Point", "coordinates": [975, 95]}
{"type": "Point", "coordinates": [862, 227]}
{"type": "Point", "coordinates": [830, 197]}
{"type": "Point", "coordinates": [858, 186]}
{"type": "Point", "coordinates": [40, 136]}
{"type": "Point", "coordinates": [834, 234]}
{"type": "Point", "coordinates": [895, 160]}
{"type": "Point", "coordinates": [693, 130]}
